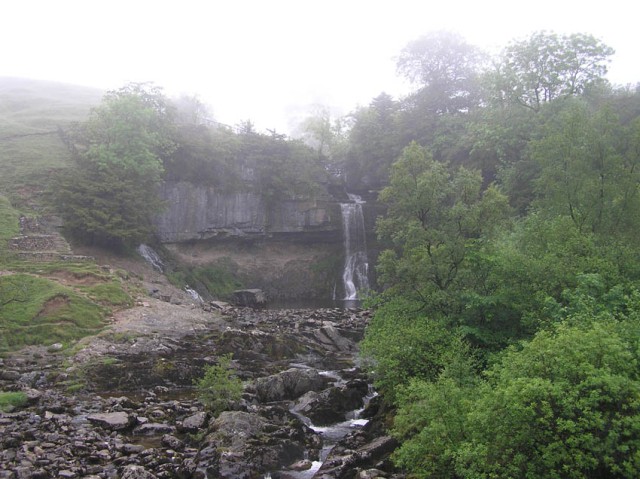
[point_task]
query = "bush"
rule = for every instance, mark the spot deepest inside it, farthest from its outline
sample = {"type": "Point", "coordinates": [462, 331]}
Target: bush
{"type": "Point", "coordinates": [219, 388]}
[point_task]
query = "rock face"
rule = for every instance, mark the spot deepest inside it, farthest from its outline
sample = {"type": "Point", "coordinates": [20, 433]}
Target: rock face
{"type": "Point", "coordinates": [198, 212]}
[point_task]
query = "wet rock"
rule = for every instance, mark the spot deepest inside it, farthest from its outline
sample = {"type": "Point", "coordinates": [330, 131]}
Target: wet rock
{"type": "Point", "coordinates": [329, 336]}
{"type": "Point", "coordinates": [115, 421]}
{"type": "Point", "coordinates": [303, 465]}
{"type": "Point", "coordinates": [331, 405]}
{"type": "Point", "coordinates": [289, 384]}
{"type": "Point", "coordinates": [342, 461]}
{"type": "Point", "coordinates": [154, 429]}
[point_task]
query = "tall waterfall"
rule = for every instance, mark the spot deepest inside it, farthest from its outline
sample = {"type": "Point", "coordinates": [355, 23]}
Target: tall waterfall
{"type": "Point", "coordinates": [356, 266]}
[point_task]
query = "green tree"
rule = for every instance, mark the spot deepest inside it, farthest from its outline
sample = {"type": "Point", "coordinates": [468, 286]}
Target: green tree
{"type": "Point", "coordinates": [565, 406]}
{"type": "Point", "coordinates": [219, 389]}
{"type": "Point", "coordinates": [447, 69]}
{"type": "Point", "coordinates": [589, 170]}
{"type": "Point", "coordinates": [547, 66]}
{"type": "Point", "coordinates": [110, 197]}
{"type": "Point", "coordinates": [373, 144]}
{"type": "Point", "coordinates": [434, 217]}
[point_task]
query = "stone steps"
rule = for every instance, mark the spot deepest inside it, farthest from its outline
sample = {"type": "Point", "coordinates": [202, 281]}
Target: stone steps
{"type": "Point", "coordinates": [39, 240]}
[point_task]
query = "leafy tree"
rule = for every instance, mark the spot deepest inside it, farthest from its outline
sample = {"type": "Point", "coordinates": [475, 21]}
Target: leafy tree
{"type": "Point", "coordinates": [434, 217]}
{"type": "Point", "coordinates": [404, 343]}
{"type": "Point", "coordinates": [112, 194]}
{"type": "Point", "coordinates": [588, 165]}
{"type": "Point", "coordinates": [547, 66]}
{"type": "Point", "coordinates": [219, 389]}
{"type": "Point", "coordinates": [431, 418]}
{"type": "Point", "coordinates": [327, 136]}
{"type": "Point", "coordinates": [565, 406]}
{"type": "Point", "coordinates": [447, 69]}
{"type": "Point", "coordinates": [373, 144]}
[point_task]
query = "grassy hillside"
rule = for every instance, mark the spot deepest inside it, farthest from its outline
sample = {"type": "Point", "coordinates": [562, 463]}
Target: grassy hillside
{"type": "Point", "coordinates": [31, 112]}
{"type": "Point", "coordinates": [56, 301]}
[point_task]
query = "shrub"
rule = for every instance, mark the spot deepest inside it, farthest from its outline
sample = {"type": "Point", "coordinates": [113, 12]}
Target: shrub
{"type": "Point", "coordinates": [219, 388]}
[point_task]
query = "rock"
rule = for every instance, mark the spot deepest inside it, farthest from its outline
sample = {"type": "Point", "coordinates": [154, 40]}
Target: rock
{"type": "Point", "coordinates": [371, 474]}
{"type": "Point", "coordinates": [289, 384]}
{"type": "Point", "coordinates": [154, 429]}
{"type": "Point", "coordinates": [194, 423]}
{"type": "Point", "coordinates": [136, 472]}
{"type": "Point", "coordinates": [33, 395]}
{"type": "Point", "coordinates": [172, 442]}
{"type": "Point", "coordinates": [249, 297]}
{"type": "Point", "coordinates": [331, 405]}
{"type": "Point", "coordinates": [115, 421]}
{"type": "Point", "coordinates": [329, 336]}
{"type": "Point", "coordinates": [303, 465]}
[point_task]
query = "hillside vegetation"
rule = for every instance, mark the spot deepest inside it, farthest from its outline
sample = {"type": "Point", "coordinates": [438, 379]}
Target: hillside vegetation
{"type": "Point", "coordinates": [31, 116]}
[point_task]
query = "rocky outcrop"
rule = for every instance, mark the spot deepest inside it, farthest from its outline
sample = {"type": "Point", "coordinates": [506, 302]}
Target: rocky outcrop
{"type": "Point", "coordinates": [157, 432]}
{"type": "Point", "coordinates": [199, 212]}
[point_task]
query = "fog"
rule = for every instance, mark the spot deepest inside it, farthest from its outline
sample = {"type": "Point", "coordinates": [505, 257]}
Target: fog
{"type": "Point", "coordinates": [272, 62]}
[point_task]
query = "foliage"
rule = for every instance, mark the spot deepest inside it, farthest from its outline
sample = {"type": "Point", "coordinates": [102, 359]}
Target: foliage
{"type": "Point", "coordinates": [563, 405]}
{"type": "Point", "coordinates": [566, 405]}
{"type": "Point", "coordinates": [431, 418]}
{"type": "Point", "coordinates": [218, 279]}
{"type": "Point", "coordinates": [111, 196]}
{"type": "Point", "coordinates": [446, 67]}
{"type": "Point", "coordinates": [547, 66]}
{"type": "Point", "coordinates": [219, 389]}
{"type": "Point", "coordinates": [403, 342]}
{"type": "Point", "coordinates": [12, 400]}
{"type": "Point", "coordinates": [372, 144]}
{"type": "Point", "coordinates": [434, 217]}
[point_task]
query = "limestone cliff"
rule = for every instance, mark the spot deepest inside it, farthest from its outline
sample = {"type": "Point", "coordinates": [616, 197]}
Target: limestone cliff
{"type": "Point", "coordinates": [199, 212]}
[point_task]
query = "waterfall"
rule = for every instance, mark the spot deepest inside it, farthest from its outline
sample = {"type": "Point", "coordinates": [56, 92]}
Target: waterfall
{"type": "Point", "coordinates": [151, 257]}
{"type": "Point", "coordinates": [356, 267]}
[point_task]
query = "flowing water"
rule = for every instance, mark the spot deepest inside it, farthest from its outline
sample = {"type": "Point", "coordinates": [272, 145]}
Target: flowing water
{"type": "Point", "coordinates": [355, 275]}
{"type": "Point", "coordinates": [151, 257]}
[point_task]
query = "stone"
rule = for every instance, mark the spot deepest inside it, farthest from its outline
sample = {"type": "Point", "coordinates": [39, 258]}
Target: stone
{"type": "Point", "coordinates": [154, 429]}
{"type": "Point", "coordinates": [249, 297]}
{"type": "Point", "coordinates": [136, 472]}
{"type": "Point", "coordinates": [289, 384]}
{"type": "Point", "coordinates": [115, 421]}
{"type": "Point", "coordinates": [194, 422]}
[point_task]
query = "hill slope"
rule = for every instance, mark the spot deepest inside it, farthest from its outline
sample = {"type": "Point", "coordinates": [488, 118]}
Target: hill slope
{"type": "Point", "coordinates": [31, 112]}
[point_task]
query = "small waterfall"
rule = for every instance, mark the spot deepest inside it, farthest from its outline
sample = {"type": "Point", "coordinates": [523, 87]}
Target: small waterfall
{"type": "Point", "coordinates": [151, 257]}
{"type": "Point", "coordinates": [355, 275]}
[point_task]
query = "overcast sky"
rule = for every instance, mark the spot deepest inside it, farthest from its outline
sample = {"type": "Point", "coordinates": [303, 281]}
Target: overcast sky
{"type": "Point", "coordinates": [272, 61]}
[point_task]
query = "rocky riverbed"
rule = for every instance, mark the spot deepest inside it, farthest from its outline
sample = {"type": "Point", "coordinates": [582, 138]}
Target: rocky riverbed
{"type": "Point", "coordinates": [122, 404]}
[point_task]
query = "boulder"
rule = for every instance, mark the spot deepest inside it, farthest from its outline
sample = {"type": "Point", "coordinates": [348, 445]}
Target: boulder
{"type": "Point", "coordinates": [251, 298]}
{"type": "Point", "coordinates": [332, 405]}
{"type": "Point", "coordinates": [115, 421]}
{"type": "Point", "coordinates": [289, 384]}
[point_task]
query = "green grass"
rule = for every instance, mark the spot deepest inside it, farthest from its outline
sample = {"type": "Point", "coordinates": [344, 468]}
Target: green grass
{"type": "Point", "coordinates": [12, 400]}
{"type": "Point", "coordinates": [9, 224]}
{"type": "Point", "coordinates": [36, 310]}
{"type": "Point", "coordinates": [109, 294]}
{"type": "Point", "coordinates": [30, 114]}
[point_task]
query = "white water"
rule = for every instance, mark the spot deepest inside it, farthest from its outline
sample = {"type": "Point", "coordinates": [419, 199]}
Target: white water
{"type": "Point", "coordinates": [151, 257]}
{"type": "Point", "coordinates": [355, 275]}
